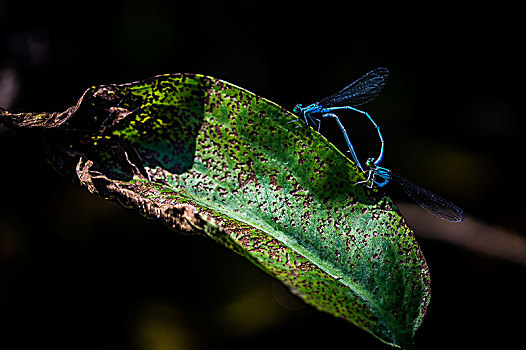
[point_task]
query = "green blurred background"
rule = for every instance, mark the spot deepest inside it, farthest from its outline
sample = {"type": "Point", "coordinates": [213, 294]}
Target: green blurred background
{"type": "Point", "coordinates": [78, 272]}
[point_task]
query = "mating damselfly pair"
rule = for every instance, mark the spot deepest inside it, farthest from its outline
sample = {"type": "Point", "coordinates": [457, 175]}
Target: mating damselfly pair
{"type": "Point", "coordinates": [360, 92]}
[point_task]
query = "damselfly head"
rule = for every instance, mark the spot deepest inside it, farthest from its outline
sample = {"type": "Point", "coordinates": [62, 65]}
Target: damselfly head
{"type": "Point", "coordinates": [298, 108]}
{"type": "Point", "coordinates": [369, 163]}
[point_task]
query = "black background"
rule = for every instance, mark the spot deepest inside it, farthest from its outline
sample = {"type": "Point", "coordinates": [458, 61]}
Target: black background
{"type": "Point", "coordinates": [80, 272]}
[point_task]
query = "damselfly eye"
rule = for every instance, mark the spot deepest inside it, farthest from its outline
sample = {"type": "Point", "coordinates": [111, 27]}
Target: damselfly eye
{"type": "Point", "coordinates": [370, 162]}
{"type": "Point", "coordinates": [298, 108]}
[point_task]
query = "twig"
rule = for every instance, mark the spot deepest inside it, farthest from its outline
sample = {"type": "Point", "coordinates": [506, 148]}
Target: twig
{"type": "Point", "coordinates": [471, 234]}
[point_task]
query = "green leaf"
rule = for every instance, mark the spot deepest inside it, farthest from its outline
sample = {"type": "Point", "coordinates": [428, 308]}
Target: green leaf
{"type": "Point", "coordinates": [207, 157]}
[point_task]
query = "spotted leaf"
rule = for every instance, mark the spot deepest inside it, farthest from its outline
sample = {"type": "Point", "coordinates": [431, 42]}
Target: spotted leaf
{"type": "Point", "coordinates": [207, 157]}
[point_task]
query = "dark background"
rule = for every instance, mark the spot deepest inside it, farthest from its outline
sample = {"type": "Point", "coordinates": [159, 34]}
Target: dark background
{"type": "Point", "coordinates": [79, 272]}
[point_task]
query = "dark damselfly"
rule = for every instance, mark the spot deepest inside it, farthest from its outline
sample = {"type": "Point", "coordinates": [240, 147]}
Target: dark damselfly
{"type": "Point", "coordinates": [359, 92]}
{"type": "Point", "coordinates": [434, 204]}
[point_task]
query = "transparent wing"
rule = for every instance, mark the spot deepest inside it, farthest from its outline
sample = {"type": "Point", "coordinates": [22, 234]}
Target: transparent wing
{"type": "Point", "coordinates": [359, 92]}
{"type": "Point", "coordinates": [434, 204]}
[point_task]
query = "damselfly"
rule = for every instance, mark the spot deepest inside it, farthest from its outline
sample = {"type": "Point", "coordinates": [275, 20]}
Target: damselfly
{"type": "Point", "coordinates": [360, 92]}
{"type": "Point", "coordinates": [434, 204]}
